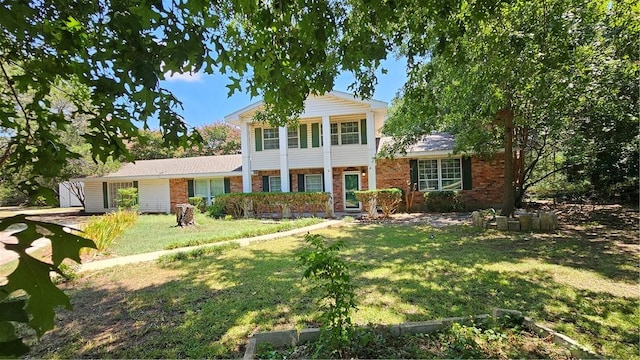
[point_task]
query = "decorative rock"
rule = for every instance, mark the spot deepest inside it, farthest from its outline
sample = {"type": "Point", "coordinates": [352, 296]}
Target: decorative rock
{"type": "Point", "coordinates": [308, 335]}
{"type": "Point", "coordinates": [554, 220]}
{"type": "Point", "coordinates": [501, 222]}
{"type": "Point", "coordinates": [545, 221]}
{"type": "Point", "coordinates": [525, 222]}
{"type": "Point", "coordinates": [535, 223]}
{"type": "Point", "coordinates": [278, 338]}
{"type": "Point", "coordinates": [513, 225]}
{"type": "Point", "coordinates": [476, 218]}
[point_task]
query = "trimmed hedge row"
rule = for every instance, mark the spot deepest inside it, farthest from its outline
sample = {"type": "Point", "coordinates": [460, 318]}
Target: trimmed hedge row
{"type": "Point", "coordinates": [387, 199]}
{"type": "Point", "coordinates": [443, 201]}
{"type": "Point", "coordinates": [268, 204]}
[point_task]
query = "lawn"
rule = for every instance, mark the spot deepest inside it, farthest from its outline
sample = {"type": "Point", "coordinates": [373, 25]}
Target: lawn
{"type": "Point", "coordinates": [159, 232]}
{"type": "Point", "coordinates": [582, 282]}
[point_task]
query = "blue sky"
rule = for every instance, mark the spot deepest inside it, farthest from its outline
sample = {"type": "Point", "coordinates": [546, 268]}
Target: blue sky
{"type": "Point", "coordinates": [205, 101]}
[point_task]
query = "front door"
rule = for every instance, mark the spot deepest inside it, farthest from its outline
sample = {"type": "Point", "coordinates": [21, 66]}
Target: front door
{"type": "Point", "coordinates": [351, 184]}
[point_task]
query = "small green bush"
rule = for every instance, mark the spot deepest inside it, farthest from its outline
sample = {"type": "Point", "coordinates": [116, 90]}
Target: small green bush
{"type": "Point", "coordinates": [199, 203]}
{"type": "Point", "coordinates": [368, 198]}
{"type": "Point", "coordinates": [103, 230]}
{"type": "Point", "coordinates": [443, 201]}
{"type": "Point", "coordinates": [331, 276]}
{"type": "Point", "coordinates": [389, 200]}
{"type": "Point", "coordinates": [216, 210]}
{"type": "Point", "coordinates": [127, 199]}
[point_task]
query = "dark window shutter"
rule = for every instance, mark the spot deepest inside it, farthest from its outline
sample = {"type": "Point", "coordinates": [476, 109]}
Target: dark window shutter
{"type": "Point", "coordinates": [467, 181]}
{"type": "Point", "coordinates": [105, 195]}
{"type": "Point", "coordinates": [413, 174]}
{"type": "Point", "coordinates": [190, 189]}
{"type": "Point", "coordinates": [135, 185]}
{"type": "Point", "coordinates": [315, 135]}
{"type": "Point", "coordinates": [323, 189]}
{"type": "Point", "coordinates": [227, 185]}
{"type": "Point", "coordinates": [265, 183]}
{"type": "Point", "coordinates": [303, 136]}
{"type": "Point", "coordinates": [300, 182]}
{"type": "Point", "coordinates": [258, 139]}
{"type": "Point", "coordinates": [363, 131]}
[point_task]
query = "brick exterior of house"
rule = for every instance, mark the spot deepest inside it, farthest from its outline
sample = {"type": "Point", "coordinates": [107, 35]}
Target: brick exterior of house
{"type": "Point", "coordinates": [487, 181]}
{"type": "Point", "coordinates": [178, 193]}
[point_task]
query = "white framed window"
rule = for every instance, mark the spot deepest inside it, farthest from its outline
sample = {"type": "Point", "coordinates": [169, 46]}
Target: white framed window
{"type": "Point", "coordinates": [271, 139]}
{"type": "Point", "coordinates": [349, 133]}
{"type": "Point", "coordinates": [292, 137]}
{"type": "Point", "coordinates": [439, 174]}
{"type": "Point", "coordinates": [313, 183]}
{"type": "Point", "coordinates": [334, 133]}
{"type": "Point", "coordinates": [208, 189]}
{"type": "Point", "coordinates": [113, 191]}
{"type": "Point", "coordinates": [274, 184]}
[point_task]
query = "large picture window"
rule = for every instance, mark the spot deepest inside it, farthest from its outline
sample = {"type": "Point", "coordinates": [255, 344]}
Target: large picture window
{"type": "Point", "coordinates": [208, 189]}
{"type": "Point", "coordinates": [439, 175]}
{"type": "Point", "coordinates": [345, 133]}
{"type": "Point", "coordinates": [113, 192]}
{"type": "Point", "coordinates": [271, 139]}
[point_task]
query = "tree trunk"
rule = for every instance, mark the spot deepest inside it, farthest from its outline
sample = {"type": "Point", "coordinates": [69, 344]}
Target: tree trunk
{"type": "Point", "coordinates": [508, 198]}
{"type": "Point", "coordinates": [185, 215]}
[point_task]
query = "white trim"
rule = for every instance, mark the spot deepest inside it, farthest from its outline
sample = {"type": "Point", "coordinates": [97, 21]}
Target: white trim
{"type": "Point", "coordinates": [371, 149]}
{"type": "Point", "coordinates": [326, 154]}
{"type": "Point", "coordinates": [145, 177]}
{"type": "Point", "coordinates": [245, 146]}
{"type": "Point", "coordinates": [285, 186]}
{"type": "Point", "coordinates": [344, 190]}
{"type": "Point", "coordinates": [439, 171]}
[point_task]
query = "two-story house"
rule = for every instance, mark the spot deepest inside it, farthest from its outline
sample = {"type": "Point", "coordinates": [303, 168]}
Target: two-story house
{"type": "Point", "coordinates": [333, 148]}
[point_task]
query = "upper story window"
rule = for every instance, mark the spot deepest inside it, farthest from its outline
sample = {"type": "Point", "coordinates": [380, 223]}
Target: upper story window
{"type": "Point", "coordinates": [292, 137]}
{"type": "Point", "coordinates": [345, 133]}
{"type": "Point", "coordinates": [439, 174]}
{"type": "Point", "coordinates": [349, 133]}
{"type": "Point", "coordinates": [271, 139]}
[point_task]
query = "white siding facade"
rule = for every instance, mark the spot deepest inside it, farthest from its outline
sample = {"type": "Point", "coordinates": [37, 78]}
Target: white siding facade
{"type": "Point", "coordinates": [153, 196]}
{"type": "Point", "coordinates": [93, 197]}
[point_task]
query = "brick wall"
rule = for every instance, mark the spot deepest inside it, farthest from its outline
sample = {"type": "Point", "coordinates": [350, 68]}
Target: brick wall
{"type": "Point", "coordinates": [487, 176]}
{"type": "Point", "coordinates": [177, 193]}
{"type": "Point", "coordinates": [338, 180]}
{"type": "Point", "coordinates": [488, 182]}
{"type": "Point", "coordinates": [236, 184]}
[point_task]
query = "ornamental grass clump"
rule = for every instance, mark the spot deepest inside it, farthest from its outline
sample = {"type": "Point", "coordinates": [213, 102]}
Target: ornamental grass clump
{"type": "Point", "coordinates": [103, 230]}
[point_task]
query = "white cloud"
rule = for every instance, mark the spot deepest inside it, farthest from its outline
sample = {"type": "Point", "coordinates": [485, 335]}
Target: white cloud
{"type": "Point", "coordinates": [186, 77]}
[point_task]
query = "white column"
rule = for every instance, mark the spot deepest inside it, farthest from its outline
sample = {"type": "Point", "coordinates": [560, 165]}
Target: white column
{"type": "Point", "coordinates": [285, 186]}
{"type": "Point", "coordinates": [371, 150]}
{"type": "Point", "coordinates": [245, 148]}
{"type": "Point", "coordinates": [326, 152]}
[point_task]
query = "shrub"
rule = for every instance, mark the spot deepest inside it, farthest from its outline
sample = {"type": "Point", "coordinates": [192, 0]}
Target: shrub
{"type": "Point", "coordinates": [368, 198]}
{"type": "Point", "coordinates": [128, 199]}
{"type": "Point", "coordinates": [444, 201]}
{"type": "Point", "coordinates": [331, 274]}
{"type": "Point", "coordinates": [267, 204]}
{"type": "Point", "coordinates": [216, 210]}
{"type": "Point", "coordinates": [199, 203]}
{"type": "Point", "coordinates": [103, 230]}
{"type": "Point", "coordinates": [389, 200]}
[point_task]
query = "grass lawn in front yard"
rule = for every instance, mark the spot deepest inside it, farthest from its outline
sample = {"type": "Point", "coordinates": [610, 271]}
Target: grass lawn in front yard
{"type": "Point", "coordinates": [159, 232]}
{"type": "Point", "coordinates": [583, 283]}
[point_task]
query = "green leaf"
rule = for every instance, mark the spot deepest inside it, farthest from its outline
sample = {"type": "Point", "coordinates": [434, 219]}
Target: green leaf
{"type": "Point", "coordinates": [13, 348]}
{"type": "Point", "coordinates": [13, 310]}
{"type": "Point", "coordinates": [32, 275]}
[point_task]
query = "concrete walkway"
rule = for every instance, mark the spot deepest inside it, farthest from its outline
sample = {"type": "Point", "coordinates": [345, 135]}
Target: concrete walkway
{"type": "Point", "coordinates": [151, 256]}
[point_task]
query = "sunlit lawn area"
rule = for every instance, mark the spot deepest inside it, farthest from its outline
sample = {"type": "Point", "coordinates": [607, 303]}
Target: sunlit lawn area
{"type": "Point", "coordinates": [159, 232]}
{"type": "Point", "coordinates": [207, 307]}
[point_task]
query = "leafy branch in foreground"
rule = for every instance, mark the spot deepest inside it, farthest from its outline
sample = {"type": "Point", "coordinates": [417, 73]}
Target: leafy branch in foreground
{"type": "Point", "coordinates": [332, 278]}
{"type": "Point", "coordinates": [28, 295]}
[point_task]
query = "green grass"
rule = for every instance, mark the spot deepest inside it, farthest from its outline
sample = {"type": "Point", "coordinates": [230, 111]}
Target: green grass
{"type": "Point", "coordinates": [207, 305]}
{"type": "Point", "coordinates": [159, 232]}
